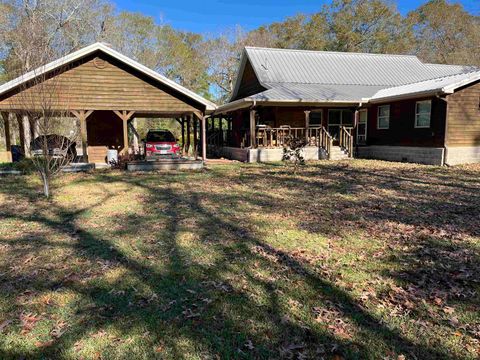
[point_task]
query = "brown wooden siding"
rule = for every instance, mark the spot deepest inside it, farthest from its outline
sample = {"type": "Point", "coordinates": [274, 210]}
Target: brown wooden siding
{"type": "Point", "coordinates": [249, 85]}
{"type": "Point", "coordinates": [100, 82]}
{"type": "Point", "coordinates": [463, 119]}
{"type": "Point", "coordinates": [402, 129]}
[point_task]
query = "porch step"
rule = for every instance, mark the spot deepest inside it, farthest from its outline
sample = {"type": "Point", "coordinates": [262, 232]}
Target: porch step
{"type": "Point", "coordinates": [337, 153]}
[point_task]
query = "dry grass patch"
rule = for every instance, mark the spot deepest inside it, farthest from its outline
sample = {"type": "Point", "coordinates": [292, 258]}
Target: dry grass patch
{"type": "Point", "coordinates": [354, 260]}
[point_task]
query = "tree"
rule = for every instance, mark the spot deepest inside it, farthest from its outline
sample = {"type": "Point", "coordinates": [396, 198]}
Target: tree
{"type": "Point", "coordinates": [365, 26]}
{"type": "Point", "coordinates": [48, 28]}
{"type": "Point", "coordinates": [182, 58]}
{"type": "Point", "coordinates": [445, 33]}
{"type": "Point", "coordinates": [134, 35]}
{"type": "Point", "coordinates": [42, 103]}
{"type": "Point", "coordinates": [224, 54]}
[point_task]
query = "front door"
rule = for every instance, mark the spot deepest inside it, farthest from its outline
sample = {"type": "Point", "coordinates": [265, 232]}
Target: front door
{"type": "Point", "coordinates": [362, 127]}
{"type": "Point", "coordinates": [336, 119]}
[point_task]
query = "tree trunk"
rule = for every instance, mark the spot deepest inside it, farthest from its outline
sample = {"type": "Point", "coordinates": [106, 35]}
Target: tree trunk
{"type": "Point", "coordinates": [46, 185]}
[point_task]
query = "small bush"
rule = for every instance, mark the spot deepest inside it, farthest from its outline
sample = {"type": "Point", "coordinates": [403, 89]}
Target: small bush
{"type": "Point", "coordinates": [121, 163]}
{"type": "Point", "coordinates": [26, 166]}
{"type": "Point", "coordinates": [293, 151]}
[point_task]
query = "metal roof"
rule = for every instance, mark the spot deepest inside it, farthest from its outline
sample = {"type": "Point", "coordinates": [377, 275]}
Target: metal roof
{"type": "Point", "coordinates": [445, 85]}
{"type": "Point", "coordinates": [316, 93]}
{"type": "Point", "coordinates": [106, 49]}
{"type": "Point", "coordinates": [336, 68]}
{"type": "Point", "coordinates": [324, 76]}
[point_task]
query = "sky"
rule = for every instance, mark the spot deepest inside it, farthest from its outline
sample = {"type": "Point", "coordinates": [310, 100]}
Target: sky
{"type": "Point", "coordinates": [213, 16]}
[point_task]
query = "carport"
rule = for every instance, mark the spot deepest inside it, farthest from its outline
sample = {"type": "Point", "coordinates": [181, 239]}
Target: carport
{"type": "Point", "coordinates": [104, 92]}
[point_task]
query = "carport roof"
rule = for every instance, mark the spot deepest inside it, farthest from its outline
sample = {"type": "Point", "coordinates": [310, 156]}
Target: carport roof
{"type": "Point", "coordinates": [210, 106]}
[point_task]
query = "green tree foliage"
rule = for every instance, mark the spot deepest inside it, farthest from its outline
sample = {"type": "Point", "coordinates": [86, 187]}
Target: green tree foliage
{"type": "Point", "coordinates": [437, 31]}
{"type": "Point", "coordinates": [132, 34]}
{"type": "Point", "coordinates": [182, 58]}
{"type": "Point", "coordinates": [445, 33]}
{"type": "Point", "coordinates": [364, 26]}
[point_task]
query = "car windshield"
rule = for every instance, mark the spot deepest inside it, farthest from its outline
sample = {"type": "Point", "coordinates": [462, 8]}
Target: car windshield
{"type": "Point", "coordinates": [160, 136]}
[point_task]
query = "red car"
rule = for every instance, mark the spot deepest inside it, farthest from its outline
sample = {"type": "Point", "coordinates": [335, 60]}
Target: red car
{"type": "Point", "coordinates": [161, 143]}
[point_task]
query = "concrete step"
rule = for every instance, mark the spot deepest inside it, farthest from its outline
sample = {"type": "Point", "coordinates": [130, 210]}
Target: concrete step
{"type": "Point", "coordinates": [337, 153]}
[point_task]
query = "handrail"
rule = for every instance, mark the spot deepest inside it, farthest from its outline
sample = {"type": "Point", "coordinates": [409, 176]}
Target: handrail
{"type": "Point", "coordinates": [320, 137]}
{"type": "Point", "coordinates": [346, 140]}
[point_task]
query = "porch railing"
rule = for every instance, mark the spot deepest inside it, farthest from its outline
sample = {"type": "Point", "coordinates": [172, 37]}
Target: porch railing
{"type": "Point", "coordinates": [320, 137]}
{"type": "Point", "coordinates": [346, 140]}
{"type": "Point", "coordinates": [277, 137]}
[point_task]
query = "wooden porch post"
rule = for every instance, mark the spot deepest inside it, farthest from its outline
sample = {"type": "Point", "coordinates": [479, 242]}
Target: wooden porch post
{"type": "Point", "coordinates": [82, 115]}
{"type": "Point", "coordinates": [8, 144]}
{"type": "Point", "coordinates": [21, 132]}
{"type": "Point", "coordinates": [183, 134]}
{"type": "Point", "coordinates": [252, 129]}
{"type": "Point", "coordinates": [307, 125]}
{"type": "Point", "coordinates": [27, 134]}
{"type": "Point", "coordinates": [124, 116]}
{"type": "Point", "coordinates": [188, 133]}
{"type": "Point", "coordinates": [136, 140]}
{"type": "Point", "coordinates": [195, 138]}
{"type": "Point", "coordinates": [221, 130]}
{"type": "Point", "coordinates": [204, 138]}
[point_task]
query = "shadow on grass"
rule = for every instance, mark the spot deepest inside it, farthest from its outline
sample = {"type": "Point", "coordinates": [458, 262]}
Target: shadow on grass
{"type": "Point", "coordinates": [204, 301]}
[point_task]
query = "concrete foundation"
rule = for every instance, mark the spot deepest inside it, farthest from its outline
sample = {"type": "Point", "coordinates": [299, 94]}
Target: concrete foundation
{"type": "Point", "coordinates": [174, 164]}
{"type": "Point", "coordinates": [267, 155]}
{"type": "Point", "coordinates": [462, 155]}
{"type": "Point", "coordinates": [420, 155]}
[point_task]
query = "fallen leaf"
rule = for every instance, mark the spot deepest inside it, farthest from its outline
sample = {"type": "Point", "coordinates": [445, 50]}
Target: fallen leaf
{"type": "Point", "coordinates": [448, 310]}
{"type": "Point", "coordinates": [40, 344]}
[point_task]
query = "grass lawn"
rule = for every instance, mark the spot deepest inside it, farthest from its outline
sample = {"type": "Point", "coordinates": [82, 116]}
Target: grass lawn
{"type": "Point", "coordinates": [348, 260]}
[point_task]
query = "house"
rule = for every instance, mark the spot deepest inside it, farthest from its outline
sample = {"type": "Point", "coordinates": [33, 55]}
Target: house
{"type": "Point", "coordinates": [391, 107]}
{"type": "Point", "coordinates": [102, 91]}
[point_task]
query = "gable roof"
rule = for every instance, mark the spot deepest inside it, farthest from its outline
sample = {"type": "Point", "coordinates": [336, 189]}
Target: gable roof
{"type": "Point", "coordinates": [324, 76]}
{"type": "Point", "coordinates": [115, 54]}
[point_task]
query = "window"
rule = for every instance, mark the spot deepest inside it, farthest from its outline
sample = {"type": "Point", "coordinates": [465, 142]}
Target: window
{"type": "Point", "coordinates": [337, 118]}
{"type": "Point", "coordinates": [423, 111]}
{"type": "Point", "coordinates": [315, 118]}
{"type": "Point", "coordinates": [383, 121]}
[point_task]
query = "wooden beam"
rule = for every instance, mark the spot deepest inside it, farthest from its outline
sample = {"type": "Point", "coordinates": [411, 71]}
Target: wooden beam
{"type": "Point", "coordinates": [188, 133]}
{"type": "Point", "coordinates": [220, 124]}
{"type": "Point", "coordinates": [27, 134]}
{"type": "Point", "coordinates": [307, 124]}
{"type": "Point", "coordinates": [125, 137]}
{"type": "Point", "coordinates": [252, 129]}
{"type": "Point", "coordinates": [124, 115]}
{"type": "Point", "coordinates": [82, 116]}
{"type": "Point", "coordinates": [203, 135]}
{"type": "Point", "coordinates": [21, 132]}
{"type": "Point", "coordinates": [136, 137]}
{"type": "Point", "coordinates": [195, 138]}
{"type": "Point", "coordinates": [183, 136]}
{"type": "Point", "coordinates": [8, 144]}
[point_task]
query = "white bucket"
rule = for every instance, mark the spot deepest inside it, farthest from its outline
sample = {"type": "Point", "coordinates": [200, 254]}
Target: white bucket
{"type": "Point", "coordinates": [112, 155]}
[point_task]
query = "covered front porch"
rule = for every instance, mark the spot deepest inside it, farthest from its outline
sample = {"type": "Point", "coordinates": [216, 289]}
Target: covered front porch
{"type": "Point", "coordinates": [267, 129]}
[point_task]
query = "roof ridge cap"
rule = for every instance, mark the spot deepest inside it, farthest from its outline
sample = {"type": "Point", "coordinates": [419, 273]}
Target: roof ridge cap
{"type": "Point", "coordinates": [303, 83]}
{"type": "Point", "coordinates": [330, 52]}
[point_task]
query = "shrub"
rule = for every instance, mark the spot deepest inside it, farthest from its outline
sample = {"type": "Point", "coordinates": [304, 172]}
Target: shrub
{"type": "Point", "coordinates": [293, 151]}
